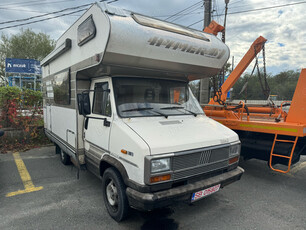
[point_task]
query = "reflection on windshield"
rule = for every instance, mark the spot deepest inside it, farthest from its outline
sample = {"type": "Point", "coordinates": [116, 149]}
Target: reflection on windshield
{"type": "Point", "coordinates": [144, 97]}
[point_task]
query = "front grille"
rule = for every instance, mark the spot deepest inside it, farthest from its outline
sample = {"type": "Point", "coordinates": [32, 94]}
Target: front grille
{"type": "Point", "coordinates": [199, 170]}
{"type": "Point", "coordinates": [199, 161]}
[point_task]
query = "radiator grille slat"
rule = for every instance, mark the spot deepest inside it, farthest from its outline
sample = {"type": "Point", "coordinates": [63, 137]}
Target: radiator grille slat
{"type": "Point", "coordinates": [199, 170]}
{"type": "Point", "coordinates": [199, 162]}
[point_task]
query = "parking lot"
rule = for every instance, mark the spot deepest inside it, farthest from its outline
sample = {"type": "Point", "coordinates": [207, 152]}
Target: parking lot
{"type": "Point", "coordinates": [56, 199]}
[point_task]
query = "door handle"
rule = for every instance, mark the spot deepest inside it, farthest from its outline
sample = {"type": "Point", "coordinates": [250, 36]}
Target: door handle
{"type": "Point", "coordinates": [106, 123]}
{"type": "Point", "coordinates": [86, 122]}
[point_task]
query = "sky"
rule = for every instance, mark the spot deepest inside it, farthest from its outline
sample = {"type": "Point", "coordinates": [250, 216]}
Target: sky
{"type": "Point", "coordinates": [283, 26]}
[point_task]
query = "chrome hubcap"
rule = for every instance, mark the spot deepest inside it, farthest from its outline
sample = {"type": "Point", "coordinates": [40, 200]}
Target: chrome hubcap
{"type": "Point", "coordinates": [112, 193]}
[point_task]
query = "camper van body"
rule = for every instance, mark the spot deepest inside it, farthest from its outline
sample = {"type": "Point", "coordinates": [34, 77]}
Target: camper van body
{"type": "Point", "coordinates": [143, 128]}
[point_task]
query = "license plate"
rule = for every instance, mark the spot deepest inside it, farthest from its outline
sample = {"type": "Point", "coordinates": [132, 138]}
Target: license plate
{"type": "Point", "coordinates": [206, 192]}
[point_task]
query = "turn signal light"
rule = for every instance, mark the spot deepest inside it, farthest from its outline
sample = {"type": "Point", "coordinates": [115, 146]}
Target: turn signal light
{"type": "Point", "coordinates": [160, 178]}
{"type": "Point", "coordinates": [233, 160]}
{"type": "Point", "coordinates": [123, 151]}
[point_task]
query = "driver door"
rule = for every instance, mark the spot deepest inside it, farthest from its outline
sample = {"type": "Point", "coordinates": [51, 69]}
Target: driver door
{"type": "Point", "coordinates": [97, 129]}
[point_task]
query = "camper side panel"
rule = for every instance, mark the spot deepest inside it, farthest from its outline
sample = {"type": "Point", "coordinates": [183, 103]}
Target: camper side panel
{"type": "Point", "coordinates": [59, 109]}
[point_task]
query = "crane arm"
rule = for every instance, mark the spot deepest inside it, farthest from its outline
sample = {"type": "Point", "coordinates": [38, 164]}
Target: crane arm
{"type": "Point", "coordinates": [255, 48]}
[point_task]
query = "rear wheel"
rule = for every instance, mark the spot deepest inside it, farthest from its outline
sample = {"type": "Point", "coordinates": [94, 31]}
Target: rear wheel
{"type": "Point", "coordinates": [65, 158]}
{"type": "Point", "coordinates": [114, 194]}
{"type": "Point", "coordinates": [57, 149]}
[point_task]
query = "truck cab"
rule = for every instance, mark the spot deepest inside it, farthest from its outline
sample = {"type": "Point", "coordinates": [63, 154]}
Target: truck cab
{"type": "Point", "coordinates": [117, 100]}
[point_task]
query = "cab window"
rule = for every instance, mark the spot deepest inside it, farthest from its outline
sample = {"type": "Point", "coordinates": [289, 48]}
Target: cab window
{"type": "Point", "coordinates": [101, 102]}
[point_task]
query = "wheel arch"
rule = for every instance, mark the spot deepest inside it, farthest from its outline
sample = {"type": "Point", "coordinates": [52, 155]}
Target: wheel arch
{"type": "Point", "coordinates": [108, 161]}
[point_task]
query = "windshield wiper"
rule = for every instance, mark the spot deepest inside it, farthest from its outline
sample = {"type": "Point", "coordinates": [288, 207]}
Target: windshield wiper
{"type": "Point", "coordinates": [137, 109]}
{"type": "Point", "coordinates": [146, 108]}
{"type": "Point", "coordinates": [163, 114]}
{"type": "Point", "coordinates": [173, 107]}
{"type": "Point", "coordinates": [180, 107]}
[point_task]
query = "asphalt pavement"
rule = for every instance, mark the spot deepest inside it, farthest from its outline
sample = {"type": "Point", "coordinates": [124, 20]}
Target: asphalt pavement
{"type": "Point", "coordinates": [56, 199]}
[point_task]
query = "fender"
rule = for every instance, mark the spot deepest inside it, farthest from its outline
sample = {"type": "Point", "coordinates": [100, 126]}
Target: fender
{"type": "Point", "coordinates": [108, 161]}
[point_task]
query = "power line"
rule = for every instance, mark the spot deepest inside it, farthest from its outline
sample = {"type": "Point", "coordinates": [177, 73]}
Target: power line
{"type": "Point", "coordinates": [43, 15]}
{"type": "Point", "coordinates": [45, 19]}
{"type": "Point", "coordinates": [246, 11]}
{"type": "Point", "coordinates": [5, 8]}
{"type": "Point", "coordinates": [187, 13]}
{"type": "Point", "coordinates": [112, 1]}
{"type": "Point", "coordinates": [267, 8]}
{"type": "Point", "coordinates": [182, 10]}
{"type": "Point", "coordinates": [34, 11]}
{"type": "Point", "coordinates": [21, 2]}
{"type": "Point", "coordinates": [167, 15]}
{"type": "Point", "coordinates": [233, 3]}
{"type": "Point", "coordinates": [41, 20]}
{"type": "Point", "coordinates": [215, 10]}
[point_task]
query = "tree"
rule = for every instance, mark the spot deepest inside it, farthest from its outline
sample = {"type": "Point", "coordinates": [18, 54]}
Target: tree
{"type": "Point", "coordinates": [283, 85]}
{"type": "Point", "coordinates": [26, 44]}
{"type": "Point", "coordinates": [194, 86]}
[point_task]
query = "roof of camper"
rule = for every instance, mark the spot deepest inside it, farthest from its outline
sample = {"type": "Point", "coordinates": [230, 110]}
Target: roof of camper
{"type": "Point", "coordinates": [127, 41]}
{"type": "Point", "coordinates": [114, 10]}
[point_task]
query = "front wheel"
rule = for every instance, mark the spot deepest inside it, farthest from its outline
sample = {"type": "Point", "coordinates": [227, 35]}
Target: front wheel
{"type": "Point", "coordinates": [114, 194]}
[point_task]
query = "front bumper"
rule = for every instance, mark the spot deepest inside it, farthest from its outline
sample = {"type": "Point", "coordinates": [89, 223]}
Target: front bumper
{"type": "Point", "coordinates": [150, 201]}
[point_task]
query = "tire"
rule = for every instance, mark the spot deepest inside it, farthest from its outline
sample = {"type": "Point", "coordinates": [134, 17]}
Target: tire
{"type": "Point", "coordinates": [57, 149]}
{"type": "Point", "coordinates": [114, 195]}
{"type": "Point", "coordinates": [65, 158]}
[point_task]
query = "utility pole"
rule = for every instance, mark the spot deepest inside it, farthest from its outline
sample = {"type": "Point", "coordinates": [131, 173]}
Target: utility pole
{"type": "Point", "coordinates": [207, 13]}
{"type": "Point", "coordinates": [204, 93]}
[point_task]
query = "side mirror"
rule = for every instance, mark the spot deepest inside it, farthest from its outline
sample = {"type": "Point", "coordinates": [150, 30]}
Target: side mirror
{"type": "Point", "coordinates": [83, 103]}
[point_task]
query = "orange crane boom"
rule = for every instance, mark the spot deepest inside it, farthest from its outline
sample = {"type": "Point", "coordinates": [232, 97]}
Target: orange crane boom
{"type": "Point", "coordinates": [255, 48]}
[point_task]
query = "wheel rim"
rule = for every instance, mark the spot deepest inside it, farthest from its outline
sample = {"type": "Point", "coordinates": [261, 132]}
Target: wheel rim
{"type": "Point", "coordinates": [62, 155]}
{"type": "Point", "coordinates": [112, 194]}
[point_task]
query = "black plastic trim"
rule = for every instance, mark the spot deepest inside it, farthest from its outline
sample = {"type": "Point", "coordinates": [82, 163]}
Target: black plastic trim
{"type": "Point", "coordinates": [150, 201]}
{"type": "Point", "coordinates": [58, 52]}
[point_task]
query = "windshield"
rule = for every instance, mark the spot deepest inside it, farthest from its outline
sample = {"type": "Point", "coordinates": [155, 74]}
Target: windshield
{"type": "Point", "coordinates": [144, 97]}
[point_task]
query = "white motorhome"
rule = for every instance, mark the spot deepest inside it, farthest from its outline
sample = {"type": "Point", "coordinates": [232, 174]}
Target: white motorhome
{"type": "Point", "coordinates": [117, 100]}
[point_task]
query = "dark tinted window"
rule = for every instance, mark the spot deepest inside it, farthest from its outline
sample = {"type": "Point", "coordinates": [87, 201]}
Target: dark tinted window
{"type": "Point", "coordinates": [61, 88]}
{"type": "Point", "coordinates": [86, 31]}
{"type": "Point", "coordinates": [101, 104]}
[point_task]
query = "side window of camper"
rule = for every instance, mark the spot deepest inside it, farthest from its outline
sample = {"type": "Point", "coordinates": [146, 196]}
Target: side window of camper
{"type": "Point", "coordinates": [86, 31]}
{"type": "Point", "coordinates": [101, 101]}
{"type": "Point", "coordinates": [61, 88]}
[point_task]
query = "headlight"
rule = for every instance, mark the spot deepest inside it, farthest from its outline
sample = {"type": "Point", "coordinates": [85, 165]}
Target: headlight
{"type": "Point", "coordinates": [160, 165]}
{"type": "Point", "coordinates": [234, 150]}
